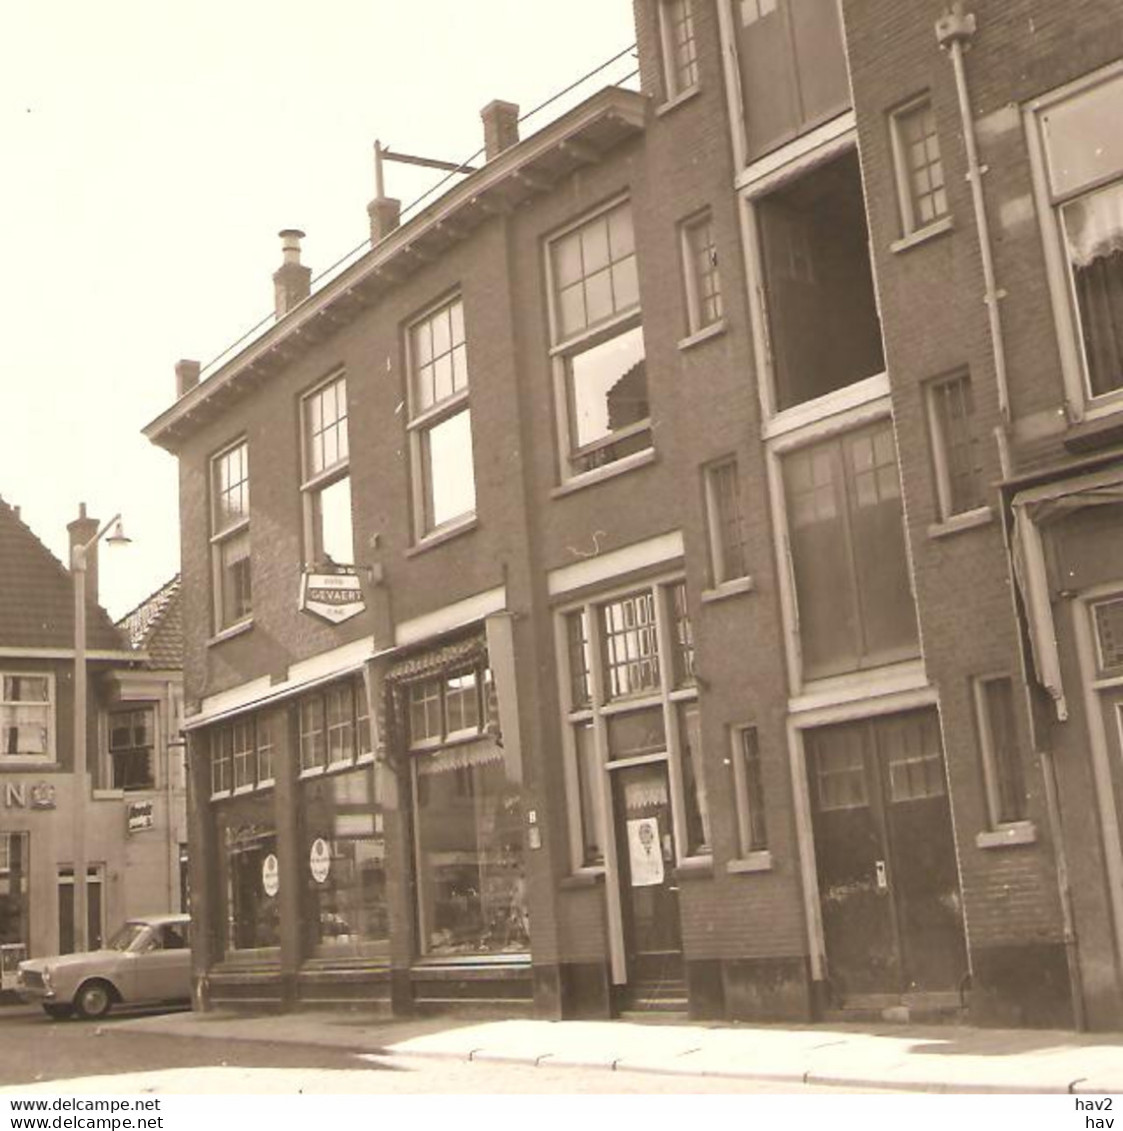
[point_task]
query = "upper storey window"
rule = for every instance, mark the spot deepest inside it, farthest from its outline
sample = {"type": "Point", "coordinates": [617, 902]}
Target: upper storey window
{"type": "Point", "coordinates": [598, 342]}
{"type": "Point", "coordinates": [1079, 146]}
{"type": "Point", "coordinates": [792, 68]}
{"type": "Point", "coordinates": [230, 535]}
{"type": "Point", "coordinates": [823, 327]}
{"type": "Point", "coordinates": [680, 50]}
{"type": "Point", "coordinates": [27, 716]}
{"type": "Point", "coordinates": [327, 484]}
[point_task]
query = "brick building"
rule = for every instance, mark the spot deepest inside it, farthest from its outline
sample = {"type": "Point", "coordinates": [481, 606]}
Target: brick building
{"type": "Point", "coordinates": [678, 567]}
{"type": "Point", "coordinates": [133, 796]}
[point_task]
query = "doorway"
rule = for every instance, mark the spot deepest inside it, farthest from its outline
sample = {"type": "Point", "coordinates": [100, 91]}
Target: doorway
{"type": "Point", "coordinates": [885, 859]}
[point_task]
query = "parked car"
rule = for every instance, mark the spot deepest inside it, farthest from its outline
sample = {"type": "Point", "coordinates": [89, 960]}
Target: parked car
{"type": "Point", "coordinates": [147, 961]}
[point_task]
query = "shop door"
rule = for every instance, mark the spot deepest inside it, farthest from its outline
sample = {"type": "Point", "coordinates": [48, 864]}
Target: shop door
{"type": "Point", "coordinates": [885, 858]}
{"type": "Point", "coordinates": [648, 893]}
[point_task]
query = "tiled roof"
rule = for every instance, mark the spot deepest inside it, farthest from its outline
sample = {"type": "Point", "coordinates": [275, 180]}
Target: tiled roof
{"type": "Point", "coordinates": [37, 596]}
{"type": "Point", "coordinates": [156, 626]}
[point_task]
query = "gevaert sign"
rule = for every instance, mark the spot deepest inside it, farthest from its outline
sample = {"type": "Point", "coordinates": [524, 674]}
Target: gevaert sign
{"type": "Point", "coordinates": [335, 597]}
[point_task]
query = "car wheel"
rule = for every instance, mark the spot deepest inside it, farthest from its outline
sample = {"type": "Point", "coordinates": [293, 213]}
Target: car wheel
{"type": "Point", "coordinates": [58, 1012]}
{"type": "Point", "coordinates": [93, 999]}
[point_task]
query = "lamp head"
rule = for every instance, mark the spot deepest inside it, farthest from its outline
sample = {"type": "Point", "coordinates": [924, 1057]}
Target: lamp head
{"type": "Point", "coordinates": [117, 536]}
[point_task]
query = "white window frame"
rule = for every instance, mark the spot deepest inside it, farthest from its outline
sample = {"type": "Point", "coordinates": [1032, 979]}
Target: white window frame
{"type": "Point", "coordinates": [692, 275]}
{"type": "Point", "coordinates": [714, 528]}
{"type": "Point", "coordinates": [676, 83]}
{"type": "Point", "coordinates": [314, 483]}
{"type": "Point", "coordinates": [939, 444]}
{"type": "Point", "coordinates": [987, 758]}
{"type": "Point", "coordinates": [223, 533]}
{"type": "Point", "coordinates": [447, 736]}
{"type": "Point", "coordinates": [748, 858]}
{"type": "Point", "coordinates": [51, 705]}
{"type": "Point", "coordinates": [911, 225]}
{"type": "Point", "coordinates": [1080, 402]}
{"type": "Point", "coordinates": [564, 348]}
{"type": "Point", "coordinates": [423, 420]}
{"type": "Point", "coordinates": [601, 708]}
{"type": "Point", "coordinates": [130, 707]}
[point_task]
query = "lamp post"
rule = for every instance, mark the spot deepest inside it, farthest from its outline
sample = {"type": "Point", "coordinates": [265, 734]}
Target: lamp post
{"type": "Point", "coordinates": [78, 572]}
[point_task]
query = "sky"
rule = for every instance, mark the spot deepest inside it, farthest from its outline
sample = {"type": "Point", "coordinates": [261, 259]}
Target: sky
{"type": "Point", "coordinates": [151, 153]}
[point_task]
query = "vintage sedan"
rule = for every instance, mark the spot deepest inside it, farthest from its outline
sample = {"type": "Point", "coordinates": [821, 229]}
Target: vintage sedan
{"type": "Point", "coordinates": [147, 961]}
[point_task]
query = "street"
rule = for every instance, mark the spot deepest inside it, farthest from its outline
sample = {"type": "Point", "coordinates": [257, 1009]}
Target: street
{"type": "Point", "coordinates": [75, 1056]}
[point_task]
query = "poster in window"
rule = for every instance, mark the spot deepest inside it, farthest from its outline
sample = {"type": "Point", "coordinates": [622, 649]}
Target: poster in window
{"type": "Point", "coordinates": [645, 856]}
{"type": "Point", "coordinates": [270, 875]}
{"type": "Point", "coordinates": [319, 860]}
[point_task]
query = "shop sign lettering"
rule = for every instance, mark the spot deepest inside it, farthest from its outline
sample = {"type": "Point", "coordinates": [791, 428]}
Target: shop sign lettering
{"type": "Point", "coordinates": [334, 597]}
{"type": "Point", "coordinates": [29, 795]}
{"type": "Point", "coordinates": [140, 816]}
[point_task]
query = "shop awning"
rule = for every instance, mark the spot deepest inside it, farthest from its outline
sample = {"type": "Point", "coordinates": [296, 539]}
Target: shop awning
{"type": "Point", "coordinates": [465, 653]}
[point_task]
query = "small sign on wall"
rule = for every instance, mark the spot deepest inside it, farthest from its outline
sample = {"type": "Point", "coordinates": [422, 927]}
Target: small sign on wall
{"type": "Point", "coordinates": [334, 597]}
{"type": "Point", "coordinates": [139, 815]}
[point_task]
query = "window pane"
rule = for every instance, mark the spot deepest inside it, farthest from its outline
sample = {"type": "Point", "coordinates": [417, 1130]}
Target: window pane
{"type": "Point", "coordinates": [244, 754]}
{"type": "Point", "coordinates": [636, 733]}
{"type": "Point", "coordinates": [1005, 763]}
{"type": "Point", "coordinates": [325, 427]}
{"type": "Point", "coordinates": [577, 635]}
{"type": "Point", "coordinates": [340, 724]}
{"type": "Point", "coordinates": [725, 523]}
{"type": "Point", "coordinates": [438, 357]}
{"type": "Point", "coordinates": [1109, 631]}
{"type": "Point", "coordinates": [247, 838]}
{"type": "Point", "coordinates": [333, 540]}
{"type": "Point", "coordinates": [425, 721]}
{"type": "Point", "coordinates": [236, 598]}
{"type": "Point", "coordinates": [462, 703]}
{"type": "Point", "coordinates": [631, 645]}
{"type": "Point", "coordinates": [450, 483]}
{"type": "Point", "coordinates": [817, 273]}
{"type": "Point", "coordinates": [588, 769]}
{"type": "Point", "coordinates": [1083, 139]}
{"type": "Point", "coordinates": [757, 830]}
{"type": "Point", "coordinates": [312, 744]}
{"type": "Point", "coordinates": [682, 635]}
{"type": "Point", "coordinates": [953, 426]}
{"type": "Point", "coordinates": [230, 488]}
{"type": "Point", "coordinates": [706, 305]}
{"type": "Point", "coordinates": [693, 780]}
{"type": "Point", "coordinates": [923, 171]}
{"type": "Point", "coordinates": [608, 390]}
{"type": "Point", "coordinates": [264, 728]}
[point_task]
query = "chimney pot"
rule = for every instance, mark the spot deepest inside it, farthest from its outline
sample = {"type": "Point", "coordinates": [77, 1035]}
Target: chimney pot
{"type": "Point", "coordinates": [292, 281]}
{"type": "Point", "coordinates": [501, 127]}
{"type": "Point", "coordinates": [186, 376]}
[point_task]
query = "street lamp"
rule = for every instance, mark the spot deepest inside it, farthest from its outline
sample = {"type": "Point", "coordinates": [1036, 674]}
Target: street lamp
{"type": "Point", "coordinates": [78, 572]}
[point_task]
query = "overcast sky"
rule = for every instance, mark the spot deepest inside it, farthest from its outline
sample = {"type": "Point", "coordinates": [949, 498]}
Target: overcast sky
{"type": "Point", "coordinates": [152, 152]}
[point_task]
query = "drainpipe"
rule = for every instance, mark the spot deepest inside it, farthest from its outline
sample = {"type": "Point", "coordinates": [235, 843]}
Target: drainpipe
{"type": "Point", "coordinates": [954, 30]}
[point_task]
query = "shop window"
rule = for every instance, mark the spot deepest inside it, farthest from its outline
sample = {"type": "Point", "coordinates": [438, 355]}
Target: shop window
{"type": "Point", "coordinates": [599, 353]}
{"type": "Point", "coordinates": [334, 725]}
{"type": "Point", "coordinates": [241, 753]}
{"type": "Point", "coordinates": [679, 49]}
{"type": "Point", "coordinates": [249, 876]}
{"type": "Point", "coordinates": [792, 68]}
{"type": "Point", "coordinates": [95, 916]}
{"type": "Point", "coordinates": [440, 423]}
{"type": "Point", "coordinates": [27, 717]}
{"type": "Point", "coordinates": [956, 454]}
{"type": "Point", "coordinates": [230, 536]}
{"type": "Point", "coordinates": [131, 739]}
{"type": "Point", "coordinates": [748, 792]}
{"type": "Point", "coordinates": [345, 911]}
{"type": "Point", "coordinates": [847, 541]}
{"type": "Point", "coordinates": [326, 486]}
{"type": "Point", "coordinates": [702, 279]}
{"type": "Point", "coordinates": [816, 264]}
{"type": "Point", "coordinates": [1076, 135]}
{"type": "Point", "coordinates": [1108, 619]}
{"type": "Point", "coordinates": [632, 696]}
{"type": "Point", "coordinates": [1003, 776]}
{"type": "Point", "coordinates": [468, 820]}
{"type": "Point", "coordinates": [921, 192]}
{"type": "Point", "coordinates": [15, 905]}
{"type": "Point", "coordinates": [723, 521]}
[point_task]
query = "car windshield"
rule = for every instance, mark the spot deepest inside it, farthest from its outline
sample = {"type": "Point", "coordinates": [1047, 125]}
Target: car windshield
{"type": "Point", "coordinates": [126, 936]}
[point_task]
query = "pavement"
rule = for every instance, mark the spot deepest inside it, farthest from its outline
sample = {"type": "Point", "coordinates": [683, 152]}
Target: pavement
{"type": "Point", "coordinates": [932, 1058]}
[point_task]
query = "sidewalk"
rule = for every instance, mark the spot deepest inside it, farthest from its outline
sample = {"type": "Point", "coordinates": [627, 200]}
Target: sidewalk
{"type": "Point", "coordinates": [907, 1057]}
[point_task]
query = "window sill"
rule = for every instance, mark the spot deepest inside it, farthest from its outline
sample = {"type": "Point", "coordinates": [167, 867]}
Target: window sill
{"type": "Point", "coordinates": [713, 330]}
{"type": "Point", "coordinates": [310, 772]}
{"type": "Point", "coordinates": [922, 235]}
{"type": "Point", "coordinates": [28, 761]}
{"type": "Point", "coordinates": [231, 632]}
{"type": "Point", "coordinates": [600, 474]}
{"type": "Point", "coordinates": [968, 520]}
{"type": "Point", "coordinates": [1006, 836]}
{"type": "Point", "coordinates": [753, 862]}
{"type": "Point", "coordinates": [589, 879]}
{"type": "Point", "coordinates": [729, 588]}
{"type": "Point", "coordinates": [109, 795]}
{"type": "Point", "coordinates": [698, 868]}
{"type": "Point", "coordinates": [440, 537]}
{"type": "Point", "coordinates": [678, 100]}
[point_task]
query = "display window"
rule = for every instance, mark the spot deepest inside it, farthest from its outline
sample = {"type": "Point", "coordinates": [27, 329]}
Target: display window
{"type": "Point", "coordinates": [14, 905]}
{"type": "Point", "coordinates": [344, 865]}
{"type": "Point", "coordinates": [249, 873]}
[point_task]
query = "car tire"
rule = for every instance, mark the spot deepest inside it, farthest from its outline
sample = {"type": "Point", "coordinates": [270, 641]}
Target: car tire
{"type": "Point", "coordinates": [58, 1012]}
{"type": "Point", "coordinates": [93, 999]}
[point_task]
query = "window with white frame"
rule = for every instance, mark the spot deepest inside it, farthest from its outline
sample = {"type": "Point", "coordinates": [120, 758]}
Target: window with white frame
{"type": "Point", "coordinates": [723, 520]}
{"type": "Point", "coordinates": [1107, 618]}
{"type": "Point", "coordinates": [27, 716]}
{"type": "Point", "coordinates": [1078, 150]}
{"type": "Point", "coordinates": [230, 536]}
{"type": "Point", "coordinates": [241, 753]}
{"type": "Point", "coordinates": [847, 541]}
{"type": "Point", "coordinates": [599, 356]}
{"type": "Point", "coordinates": [632, 694]}
{"type": "Point", "coordinates": [921, 192]}
{"type": "Point", "coordinates": [446, 708]}
{"type": "Point", "coordinates": [956, 454]}
{"type": "Point", "coordinates": [748, 791]}
{"type": "Point", "coordinates": [326, 483]}
{"type": "Point", "coordinates": [334, 725]}
{"type": "Point", "coordinates": [1003, 775]}
{"type": "Point", "coordinates": [131, 743]}
{"type": "Point", "coordinates": [444, 481]}
{"type": "Point", "coordinates": [703, 282]}
{"type": "Point", "coordinates": [680, 51]}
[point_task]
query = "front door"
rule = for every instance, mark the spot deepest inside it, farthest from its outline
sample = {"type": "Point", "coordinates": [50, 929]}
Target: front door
{"type": "Point", "coordinates": [648, 893]}
{"type": "Point", "coordinates": [885, 858]}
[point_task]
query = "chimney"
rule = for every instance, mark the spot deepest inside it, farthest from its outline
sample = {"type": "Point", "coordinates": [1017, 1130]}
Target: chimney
{"type": "Point", "coordinates": [292, 281]}
{"type": "Point", "coordinates": [186, 377]}
{"type": "Point", "coordinates": [81, 530]}
{"type": "Point", "coordinates": [385, 215]}
{"type": "Point", "coordinates": [501, 127]}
